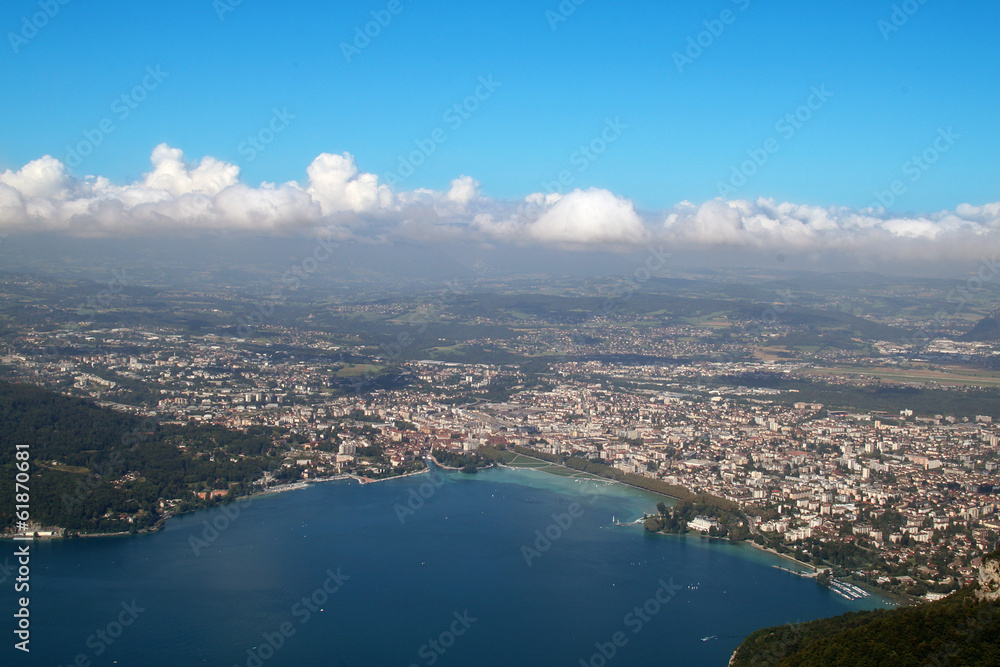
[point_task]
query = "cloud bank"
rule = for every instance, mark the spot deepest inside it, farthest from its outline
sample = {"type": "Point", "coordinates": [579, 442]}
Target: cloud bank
{"type": "Point", "coordinates": [177, 196]}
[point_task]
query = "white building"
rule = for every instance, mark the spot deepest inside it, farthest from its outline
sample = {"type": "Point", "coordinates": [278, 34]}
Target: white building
{"type": "Point", "coordinates": [703, 523]}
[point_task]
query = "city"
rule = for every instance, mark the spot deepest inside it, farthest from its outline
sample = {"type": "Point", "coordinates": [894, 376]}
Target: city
{"type": "Point", "coordinates": [899, 500]}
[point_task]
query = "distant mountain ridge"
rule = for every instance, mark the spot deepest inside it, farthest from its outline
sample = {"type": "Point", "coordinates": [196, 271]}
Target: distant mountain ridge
{"type": "Point", "coordinates": [986, 329]}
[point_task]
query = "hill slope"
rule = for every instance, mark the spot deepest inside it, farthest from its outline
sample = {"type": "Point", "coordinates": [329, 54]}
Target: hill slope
{"type": "Point", "coordinates": [96, 470]}
{"type": "Point", "coordinates": [986, 329]}
{"type": "Point", "coordinates": [962, 629]}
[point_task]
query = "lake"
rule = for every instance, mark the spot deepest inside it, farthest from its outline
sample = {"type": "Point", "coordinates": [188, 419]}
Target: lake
{"type": "Point", "coordinates": [505, 567]}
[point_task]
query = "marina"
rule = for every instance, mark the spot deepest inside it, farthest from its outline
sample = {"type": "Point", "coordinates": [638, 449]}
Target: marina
{"type": "Point", "coordinates": [848, 591]}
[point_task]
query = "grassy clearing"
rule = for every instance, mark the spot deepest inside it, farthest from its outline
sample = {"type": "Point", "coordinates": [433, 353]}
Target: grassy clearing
{"type": "Point", "coordinates": [76, 470]}
{"type": "Point", "coordinates": [953, 377]}
{"type": "Point", "coordinates": [522, 461]}
{"type": "Point", "coordinates": [352, 370]}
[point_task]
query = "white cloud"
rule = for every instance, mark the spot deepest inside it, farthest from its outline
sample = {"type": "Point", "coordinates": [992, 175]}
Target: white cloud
{"type": "Point", "coordinates": [45, 177]}
{"type": "Point", "coordinates": [177, 196]}
{"type": "Point", "coordinates": [170, 173]}
{"type": "Point", "coordinates": [336, 183]}
{"type": "Point", "coordinates": [464, 190]}
{"type": "Point", "coordinates": [593, 217]}
{"type": "Point", "coordinates": [585, 217]}
{"type": "Point", "coordinates": [765, 223]}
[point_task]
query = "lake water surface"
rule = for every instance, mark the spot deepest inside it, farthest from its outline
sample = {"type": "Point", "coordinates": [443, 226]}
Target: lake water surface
{"type": "Point", "coordinates": [343, 574]}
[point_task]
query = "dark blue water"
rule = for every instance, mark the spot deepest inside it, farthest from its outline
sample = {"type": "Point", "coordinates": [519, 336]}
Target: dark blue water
{"type": "Point", "coordinates": [446, 584]}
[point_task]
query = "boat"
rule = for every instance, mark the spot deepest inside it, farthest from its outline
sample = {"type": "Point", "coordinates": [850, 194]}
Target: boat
{"type": "Point", "coordinates": [705, 639]}
{"type": "Point", "coordinates": [848, 591]}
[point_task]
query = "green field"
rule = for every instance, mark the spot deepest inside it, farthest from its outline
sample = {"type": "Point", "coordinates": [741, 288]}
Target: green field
{"type": "Point", "coordinates": [522, 461]}
{"type": "Point", "coordinates": [951, 376]}
{"type": "Point", "coordinates": [352, 370]}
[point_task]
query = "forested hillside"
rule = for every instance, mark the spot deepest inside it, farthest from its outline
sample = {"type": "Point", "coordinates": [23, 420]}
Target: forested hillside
{"type": "Point", "coordinates": [960, 630]}
{"type": "Point", "coordinates": [97, 470]}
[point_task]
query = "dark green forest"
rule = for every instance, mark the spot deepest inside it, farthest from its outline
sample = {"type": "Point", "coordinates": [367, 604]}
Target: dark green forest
{"type": "Point", "coordinates": [674, 520]}
{"type": "Point", "coordinates": [97, 470]}
{"type": "Point", "coordinates": [958, 631]}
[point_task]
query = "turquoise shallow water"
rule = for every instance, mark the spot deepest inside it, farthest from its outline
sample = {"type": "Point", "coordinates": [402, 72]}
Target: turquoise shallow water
{"type": "Point", "coordinates": [404, 579]}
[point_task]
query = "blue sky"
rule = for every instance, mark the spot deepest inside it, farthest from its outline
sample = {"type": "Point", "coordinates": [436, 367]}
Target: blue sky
{"type": "Point", "coordinates": [558, 87]}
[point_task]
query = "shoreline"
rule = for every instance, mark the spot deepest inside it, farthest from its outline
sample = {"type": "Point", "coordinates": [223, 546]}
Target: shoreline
{"type": "Point", "coordinates": [439, 464]}
{"type": "Point", "coordinates": [812, 570]}
{"type": "Point", "coordinates": [301, 484]}
{"type": "Point", "coordinates": [893, 598]}
{"type": "Point", "coordinates": [886, 596]}
{"type": "Point", "coordinates": [592, 477]}
{"type": "Point", "coordinates": [769, 550]}
{"type": "Point", "coordinates": [158, 526]}
{"type": "Point", "coordinates": [492, 464]}
{"type": "Point", "coordinates": [371, 480]}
